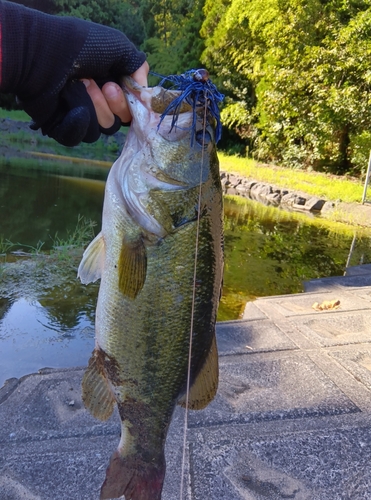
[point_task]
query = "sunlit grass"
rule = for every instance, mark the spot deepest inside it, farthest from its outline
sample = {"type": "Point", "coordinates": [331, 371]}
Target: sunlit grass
{"type": "Point", "coordinates": [321, 185]}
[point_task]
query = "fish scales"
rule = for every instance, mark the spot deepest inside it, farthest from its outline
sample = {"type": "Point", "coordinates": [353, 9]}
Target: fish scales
{"type": "Point", "coordinates": [145, 256]}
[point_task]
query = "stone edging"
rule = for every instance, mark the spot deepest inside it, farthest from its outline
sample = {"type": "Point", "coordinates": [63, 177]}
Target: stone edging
{"type": "Point", "coordinates": [272, 195]}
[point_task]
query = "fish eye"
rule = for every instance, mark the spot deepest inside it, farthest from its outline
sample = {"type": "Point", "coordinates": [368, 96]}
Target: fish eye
{"type": "Point", "coordinates": [203, 138]}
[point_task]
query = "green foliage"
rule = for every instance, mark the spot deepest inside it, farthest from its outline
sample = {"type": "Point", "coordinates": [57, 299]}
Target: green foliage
{"type": "Point", "coordinates": [167, 30]}
{"type": "Point", "coordinates": [296, 73]}
{"type": "Point", "coordinates": [174, 44]}
{"type": "Point", "coordinates": [301, 71]}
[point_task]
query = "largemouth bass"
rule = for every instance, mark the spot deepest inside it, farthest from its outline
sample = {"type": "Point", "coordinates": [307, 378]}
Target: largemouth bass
{"type": "Point", "coordinates": [145, 255]}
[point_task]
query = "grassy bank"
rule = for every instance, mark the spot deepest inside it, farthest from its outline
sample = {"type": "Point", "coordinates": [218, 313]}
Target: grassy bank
{"type": "Point", "coordinates": [17, 115]}
{"type": "Point", "coordinates": [325, 186]}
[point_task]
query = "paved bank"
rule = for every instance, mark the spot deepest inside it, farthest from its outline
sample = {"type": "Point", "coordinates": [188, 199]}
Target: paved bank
{"type": "Point", "coordinates": [292, 418]}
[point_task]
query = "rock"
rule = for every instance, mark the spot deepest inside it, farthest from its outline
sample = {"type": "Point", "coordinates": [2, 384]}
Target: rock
{"type": "Point", "coordinates": [288, 198]}
{"type": "Point", "coordinates": [274, 198]}
{"type": "Point", "coordinates": [261, 190]}
{"type": "Point", "coordinates": [299, 200]}
{"type": "Point", "coordinates": [225, 181]}
{"type": "Point", "coordinates": [314, 204]}
{"type": "Point", "coordinates": [245, 186]}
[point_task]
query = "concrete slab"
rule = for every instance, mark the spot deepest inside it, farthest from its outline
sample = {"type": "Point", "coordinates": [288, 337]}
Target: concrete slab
{"type": "Point", "coordinates": [272, 386]}
{"type": "Point", "coordinates": [51, 447]}
{"type": "Point", "coordinates": [336, 328]}
{"type": "Point", "coordinates": [242, 337]}
{"type": "Point", "coordinates": [304, 465]}
{"type": "Point", "coordinates": [357, 361]}
{"type": "Point", "coordinates": [327, 284]}
{"type": "Point", "coordinates": [251, 312]}
{"type": "Point", "coordinates": [362, 292]}
{"type": "Point", "coordinates": [301, 304]}
{"type": "Point", "coordinates": [358, 270]}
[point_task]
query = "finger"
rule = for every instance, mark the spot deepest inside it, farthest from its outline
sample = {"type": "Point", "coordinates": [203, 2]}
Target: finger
{"type": "Point", "coordinates": [116, 101]}
{"type": "Point", "coordinates": [75, 120]}
{"type": "Point", "coordinates": [141, 74]}
{"type": "Point", "coordinates": [72, 130]}
{"type": "Point", "coordinates": [102, 109]}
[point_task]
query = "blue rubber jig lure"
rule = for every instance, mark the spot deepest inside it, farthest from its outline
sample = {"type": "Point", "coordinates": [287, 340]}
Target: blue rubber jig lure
{"type": "Point", "coordinates": [197, 91]}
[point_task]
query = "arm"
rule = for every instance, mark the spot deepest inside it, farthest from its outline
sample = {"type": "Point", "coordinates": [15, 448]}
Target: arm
{"type": "Point", "coordinates": [42, 59]}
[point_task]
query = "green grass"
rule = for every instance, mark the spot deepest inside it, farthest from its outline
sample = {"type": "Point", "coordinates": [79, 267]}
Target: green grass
{"type": "Point", "coordinates": [17, 115]}
{"type": "Point", "coordinates": [325, 186]}
{"type": "Point", "coordinates": [62, 249]}
{"type": "Point", "coordinates": [79, 237]}
{"type": "Point", "coordinates": [5, 245]}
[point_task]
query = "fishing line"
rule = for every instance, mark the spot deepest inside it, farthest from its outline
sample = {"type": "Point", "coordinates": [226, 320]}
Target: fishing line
{"type": "Point", "coordinates": [193, 303]}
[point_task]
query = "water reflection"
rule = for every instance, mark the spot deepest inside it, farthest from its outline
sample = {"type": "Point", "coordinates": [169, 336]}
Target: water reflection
{"type": "Point", "coordinates": [271, 252]}
{"type": "Point", "coordinates": [31, 338]}
{"type": "Point", "coordinates": [36, 203]}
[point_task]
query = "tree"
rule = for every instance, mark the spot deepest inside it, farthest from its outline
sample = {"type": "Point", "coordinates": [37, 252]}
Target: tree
{"type": "Point", "coordinates": [297, 76]}
{"type": "Point", "coordinates": [173, 45]}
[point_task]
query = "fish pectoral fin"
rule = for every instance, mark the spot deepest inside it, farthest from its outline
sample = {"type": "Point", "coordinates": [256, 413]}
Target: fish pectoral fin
{"type": "Point", "coordinates": [91, 265]}
{"type": "Point", "coordinates": [204, 387]}
{"type": "Point", "coordinates": [96, 393]}
{"type": "Point", "coordinates": [132, 267]}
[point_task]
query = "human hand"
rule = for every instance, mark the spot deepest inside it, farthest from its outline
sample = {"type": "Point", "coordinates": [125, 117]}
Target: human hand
{"type": "Point", "coordinates": [44, 59]}
{"type": "Point", "coordinates": [110, 101]}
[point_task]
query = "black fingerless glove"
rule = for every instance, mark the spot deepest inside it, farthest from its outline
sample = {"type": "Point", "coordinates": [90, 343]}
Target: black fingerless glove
{"type": "Point", "coordinates": [42, 57]}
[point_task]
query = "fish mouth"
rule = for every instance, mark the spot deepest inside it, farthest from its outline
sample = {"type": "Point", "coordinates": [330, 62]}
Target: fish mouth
{"type": "Point", "coordinates": [151, 109]}
{"type": "Point", "coordinates": [156, 99]}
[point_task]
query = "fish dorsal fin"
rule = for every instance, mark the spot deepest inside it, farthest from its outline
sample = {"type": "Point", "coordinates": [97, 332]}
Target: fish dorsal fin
{"type": "Point", "coordinates": [205, 386]}
{"type": "Point", "coordinates": [132, 267]}
{"type": "Point", "coordinates": [91, 265]}
{"type": "Point", "coordinates": [96, 393]}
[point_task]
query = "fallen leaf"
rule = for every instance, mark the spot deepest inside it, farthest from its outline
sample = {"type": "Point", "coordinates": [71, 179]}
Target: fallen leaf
{"type": "Point", "coordinates": [326, 305]}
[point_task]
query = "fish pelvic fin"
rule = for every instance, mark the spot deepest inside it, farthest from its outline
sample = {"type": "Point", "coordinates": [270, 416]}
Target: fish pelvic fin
{"type": "Point", "coordinates": [91, 265]}
{"type": "Point", "coordinates": [96, 393]}
{"type": "Point", "coordinates": [132, 267]}
{"type": "Point", "coordinates": [133, 477]}
{"type": "Point", "coordinates": [204, 388]}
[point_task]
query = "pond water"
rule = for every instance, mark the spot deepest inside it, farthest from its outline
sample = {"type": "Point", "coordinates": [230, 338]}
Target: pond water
{"type": "Point", "coordinates": [47, 316]}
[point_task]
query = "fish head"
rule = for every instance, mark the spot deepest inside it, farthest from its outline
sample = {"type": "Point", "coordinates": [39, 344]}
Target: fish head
{"type": "Point", "coordinates": [176, 141]}
{"type": "Point", "coordinates": [167, 156]}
